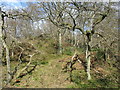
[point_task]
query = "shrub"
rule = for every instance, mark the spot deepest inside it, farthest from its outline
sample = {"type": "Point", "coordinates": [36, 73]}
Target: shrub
{"type": "Point", "coordinates": [68, 51]}
{"type": "Point", "coordinates": [100, 54]}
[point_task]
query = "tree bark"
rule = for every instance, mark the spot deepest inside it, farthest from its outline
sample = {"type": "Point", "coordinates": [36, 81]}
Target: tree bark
{"type": "Point", "coordinates": [60, 42]}
{"type": "Point", "coordinates": [1, 51]}
{"type": "Point", "coordinates": [88, 49]}
{"type": "Point", "coordinates": [75, 44]}
{"type": "Point", "coordinates": [8, 61]}
{"type": "Point", "coordinates": [5, 46]}
{"type": "Point", "coordinates": [88, 57]}
{"type": "Point", "coordinates": [73, 38]}
{"type": "Point", "coordinates": [88, 54]}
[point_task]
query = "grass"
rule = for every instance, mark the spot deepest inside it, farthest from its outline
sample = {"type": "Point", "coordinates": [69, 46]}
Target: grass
{"type": "Point", "coordinates": [48, 73]}
{"type": "Point", "coordinates": [49, 70]}
{"type": "Point", "coordinates": [80, 81]}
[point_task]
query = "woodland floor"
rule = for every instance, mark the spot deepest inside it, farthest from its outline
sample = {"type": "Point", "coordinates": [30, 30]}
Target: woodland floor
{"type": "Point", "coordinates": [49, 74]}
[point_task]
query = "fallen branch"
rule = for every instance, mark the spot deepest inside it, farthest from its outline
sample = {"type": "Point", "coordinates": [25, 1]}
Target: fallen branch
{"type": "Point", "coordinates": [69, 65]}
{"type": "Point", "coordinates": [26, 67]}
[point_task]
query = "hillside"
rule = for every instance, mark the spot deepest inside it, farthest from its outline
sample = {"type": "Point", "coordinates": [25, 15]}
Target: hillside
{"type": "Point", "coordinates": [59, 44]}
{"type": "Point", "coordinates": [49, 71]}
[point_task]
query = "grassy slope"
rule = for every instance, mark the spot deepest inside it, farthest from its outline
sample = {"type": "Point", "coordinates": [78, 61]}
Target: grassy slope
{"type": "Point", "coordinates": [48, 74]}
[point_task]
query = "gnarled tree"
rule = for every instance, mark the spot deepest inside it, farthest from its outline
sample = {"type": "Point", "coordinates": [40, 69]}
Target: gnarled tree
{"type": "Point", "coordinates": [81, 16]}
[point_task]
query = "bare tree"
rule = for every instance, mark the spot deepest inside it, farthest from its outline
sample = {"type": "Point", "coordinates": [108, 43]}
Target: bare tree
{"type": "Point", "coordinates": [82, 16]}
{"type": "Point", "coordinates": [2, 15]}
{"type": "Point", "coordinates": [3, 37]}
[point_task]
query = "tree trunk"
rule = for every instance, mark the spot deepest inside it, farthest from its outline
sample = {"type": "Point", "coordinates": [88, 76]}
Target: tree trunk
{"type": "Point", "coordinates": [88, 57]}
{"type": "Point", "coordinates": [75, 44]}
{"type": "Point", "coordinates": [1, 51]}
{"type": "Point", "coordinates": [88, 65]}
{"type": "Point", "coordinates": [73, 38]}
{"type": "Point", "coordinates": [8, 61]}
{"type": "Point", "coordinates": [5, 46]}
{"type": "Point", "coordinates": [88, 49]}
{"type": "Point", "coordinates": [105, 54]}
{"type": "Point", "coordinates": [60, 42]}
{"type": "Point", "coordinates": [88, 62]}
